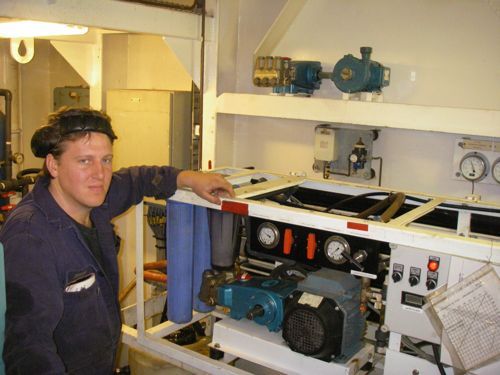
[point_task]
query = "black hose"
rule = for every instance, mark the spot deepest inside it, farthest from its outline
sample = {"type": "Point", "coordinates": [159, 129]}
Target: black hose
{"type": "Point", "coordinates": [435, 350]}
{"type": "Point", "coordinates": [412, 198]}
{"type": "Point", "coordinates": [354, 197]}
{"type": "Point", "coordinates": [22, 174]}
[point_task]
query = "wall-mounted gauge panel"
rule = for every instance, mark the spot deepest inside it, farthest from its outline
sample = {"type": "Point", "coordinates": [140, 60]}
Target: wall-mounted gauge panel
{"type": "Point", "coordinates": [475, 160]}
{"type": "Point", "coordinates": [474, 166]}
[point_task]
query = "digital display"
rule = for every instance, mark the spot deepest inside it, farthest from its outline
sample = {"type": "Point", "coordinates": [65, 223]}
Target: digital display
{"type": "Point", "coordinates": [412, 299]}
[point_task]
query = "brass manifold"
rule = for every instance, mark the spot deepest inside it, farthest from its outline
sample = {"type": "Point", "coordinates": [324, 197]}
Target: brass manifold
{"type": "Point", "coordinates": [270, 71]}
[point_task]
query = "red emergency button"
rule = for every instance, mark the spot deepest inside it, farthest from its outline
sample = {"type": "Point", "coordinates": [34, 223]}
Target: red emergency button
{"type": "Point", "coordinates": [433, 265]}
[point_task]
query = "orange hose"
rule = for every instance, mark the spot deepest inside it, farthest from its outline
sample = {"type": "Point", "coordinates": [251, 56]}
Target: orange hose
{"type": "Point", "coordinates": [155, 276]}
{"type": "Point", "coordinates": [159, 265]}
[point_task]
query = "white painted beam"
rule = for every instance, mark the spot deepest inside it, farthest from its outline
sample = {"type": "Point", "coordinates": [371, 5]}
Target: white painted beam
{"type": "Point", "coordinates": [109, 14]}
{"type": "Point", "coordinates": [467, 121]}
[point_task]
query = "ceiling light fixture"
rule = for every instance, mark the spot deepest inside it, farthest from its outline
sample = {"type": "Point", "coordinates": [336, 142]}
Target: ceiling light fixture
{"type": "Point", "coordinates": [31, 29]}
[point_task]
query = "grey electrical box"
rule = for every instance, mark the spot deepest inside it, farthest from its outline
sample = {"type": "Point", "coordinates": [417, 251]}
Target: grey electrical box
{"type": "Point", "coordinates": [71, 96]}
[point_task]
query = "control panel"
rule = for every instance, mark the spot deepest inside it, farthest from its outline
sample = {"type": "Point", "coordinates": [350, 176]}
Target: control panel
{"type": "Point", "coordinates": [414, 273]}
{"type": "Point", "coordinates": [284, 242]}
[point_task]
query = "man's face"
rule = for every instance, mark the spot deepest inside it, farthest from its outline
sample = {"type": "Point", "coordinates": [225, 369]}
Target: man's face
{"type": "Point", "coordinates": [82, 175]}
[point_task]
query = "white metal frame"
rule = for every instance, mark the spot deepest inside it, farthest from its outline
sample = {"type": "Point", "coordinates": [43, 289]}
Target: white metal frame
{"type": "Point", "coordinates": [246, 339]}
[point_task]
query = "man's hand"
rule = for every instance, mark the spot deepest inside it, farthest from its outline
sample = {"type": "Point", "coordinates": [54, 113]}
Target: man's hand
{"type": "Point", "coordinates": [209, 186]}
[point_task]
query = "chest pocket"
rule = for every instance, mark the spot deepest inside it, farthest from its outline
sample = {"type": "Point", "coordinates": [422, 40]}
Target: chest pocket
{"type": "Point", "coordinates": [80, 280]}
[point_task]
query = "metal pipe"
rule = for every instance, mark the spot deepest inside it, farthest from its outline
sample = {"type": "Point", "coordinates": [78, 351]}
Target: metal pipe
{"type": "Point", "coordinates": [202, 85]}
{"type": "Point", "coordinates": [8, 135]}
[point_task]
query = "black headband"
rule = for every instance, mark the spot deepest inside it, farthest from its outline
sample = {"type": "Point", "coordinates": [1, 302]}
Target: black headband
{"type": "Point", "coordinates": [47, 137]}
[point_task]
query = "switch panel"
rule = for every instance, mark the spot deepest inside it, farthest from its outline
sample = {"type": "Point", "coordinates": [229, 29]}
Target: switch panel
{"type": "Point", "coordinates": [414, 278]}
{"type": "Point", "coordinates": [411, 280]}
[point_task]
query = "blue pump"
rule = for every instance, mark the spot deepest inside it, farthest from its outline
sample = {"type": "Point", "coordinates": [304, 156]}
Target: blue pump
{"type": "Point", "coordinates": [304, 78]}
{"type": "Point", "coordinates": [351, 74]}
{"type": "Point", "coordinates": [259, 299]}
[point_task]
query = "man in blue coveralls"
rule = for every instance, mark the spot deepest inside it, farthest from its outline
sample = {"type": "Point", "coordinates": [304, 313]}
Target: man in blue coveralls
{"type": "Point", "coordinates": [63, 314]}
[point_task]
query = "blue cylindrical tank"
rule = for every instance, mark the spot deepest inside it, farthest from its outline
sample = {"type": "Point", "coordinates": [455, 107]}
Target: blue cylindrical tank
{"type": "Point", "coordinates": [180, 261]}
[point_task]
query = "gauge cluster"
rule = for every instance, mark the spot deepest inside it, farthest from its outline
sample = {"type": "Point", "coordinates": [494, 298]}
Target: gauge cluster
{"type": "Point", "coordinates": [477, 160]}
{"type": "Point", "coordinates": [274, 240]}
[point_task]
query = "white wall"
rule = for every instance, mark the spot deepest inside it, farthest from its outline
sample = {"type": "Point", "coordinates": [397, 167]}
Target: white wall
{"type": "Point", "coordinates": [453, 48]}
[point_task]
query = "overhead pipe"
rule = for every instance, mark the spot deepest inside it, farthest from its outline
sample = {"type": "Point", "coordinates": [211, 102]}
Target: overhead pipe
{"type": "Point", "coordinates": [7, 94]}
{"type": "Point", "coordinates": [191, 8]}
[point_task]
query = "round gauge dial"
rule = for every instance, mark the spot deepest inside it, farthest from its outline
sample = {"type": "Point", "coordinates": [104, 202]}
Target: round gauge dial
{"type": "Point", "coordinates": [335, 246]}
{"type": "Point", "coordinates": [495, 170]}
{"type": "Point", "coordinates": [268, 235]}
{"type": "Point", "coordinates": [474, 166]}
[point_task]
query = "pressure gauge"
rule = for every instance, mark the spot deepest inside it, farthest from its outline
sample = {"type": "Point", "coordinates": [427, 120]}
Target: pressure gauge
{"type": "Point", "coordinates": [474, 166]}
{"type": "Point", "coordinates": [495, 170]}
{"type": "Point", "coordinates": [335, 246]}
{"type": "Point", "coordinates": [268, 235]}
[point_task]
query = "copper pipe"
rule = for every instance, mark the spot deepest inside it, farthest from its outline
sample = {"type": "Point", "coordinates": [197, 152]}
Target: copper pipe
{"type": "Point", "coordinates": [159, 265]}
{"type": "Point", "coordinates": [155, 276]}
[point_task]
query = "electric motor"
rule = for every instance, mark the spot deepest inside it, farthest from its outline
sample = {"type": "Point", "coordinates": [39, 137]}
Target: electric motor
{"type": "Point", "coordinates": [323, 318]}
{"type": "Point", "coordinates": [313, 331]}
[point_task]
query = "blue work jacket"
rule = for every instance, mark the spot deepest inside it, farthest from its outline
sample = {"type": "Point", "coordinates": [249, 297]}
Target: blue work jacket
{"type": "Point", "coordinates": [63, 314]}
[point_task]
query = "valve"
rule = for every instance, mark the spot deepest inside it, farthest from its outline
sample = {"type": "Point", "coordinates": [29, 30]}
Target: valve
{"type": "Point", "coordinates": [358, 155]}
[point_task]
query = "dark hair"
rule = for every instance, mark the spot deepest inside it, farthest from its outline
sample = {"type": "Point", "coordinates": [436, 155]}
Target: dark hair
{"type": "Point", "coordinates": [68, 124]}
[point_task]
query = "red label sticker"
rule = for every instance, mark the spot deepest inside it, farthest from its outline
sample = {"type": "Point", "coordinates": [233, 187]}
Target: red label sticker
{"type": "Point", "coordinates": [235, 207]}
{"type": "Point", "coordinates": [357, 226]}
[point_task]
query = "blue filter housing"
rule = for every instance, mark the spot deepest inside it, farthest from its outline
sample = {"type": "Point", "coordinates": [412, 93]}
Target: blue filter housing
{"type": "Point", "coordinates": [180, 261]}
{"type": "Point", "coordinates": [201, 255]}
{"type": "Point", "coordinates": [259, 299]}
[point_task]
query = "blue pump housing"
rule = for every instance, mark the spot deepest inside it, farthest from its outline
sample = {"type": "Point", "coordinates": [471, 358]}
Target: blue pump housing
{"type": "Point", "coordinates": [304, 78]}
{"type": "Point", "coordinates": [351, 74]}
{"type": "Point", "coordinates": [259, 299]}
